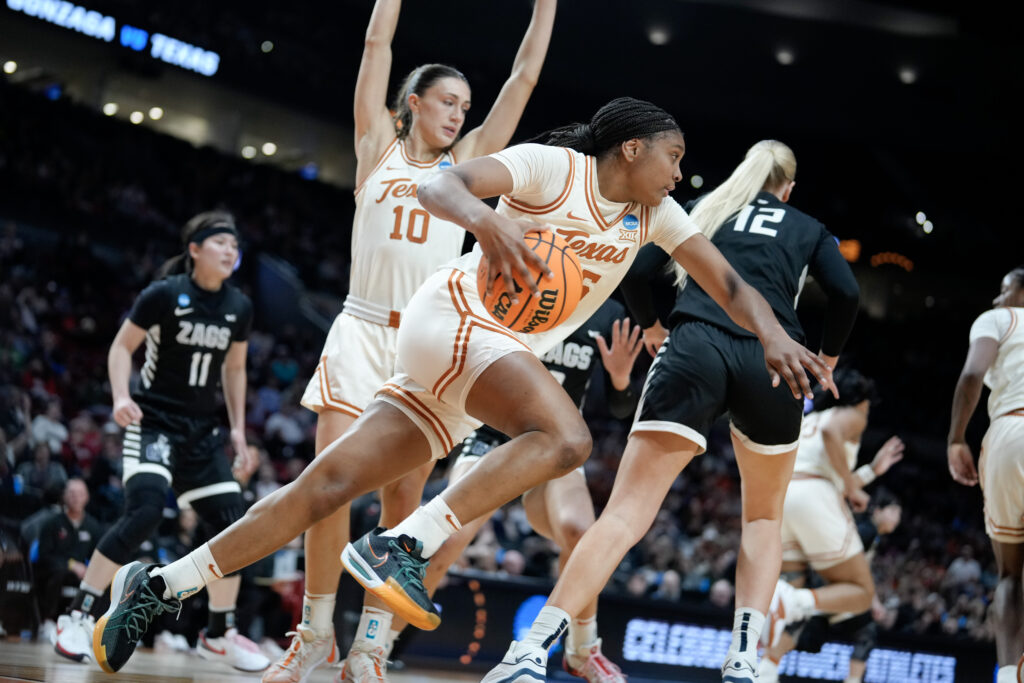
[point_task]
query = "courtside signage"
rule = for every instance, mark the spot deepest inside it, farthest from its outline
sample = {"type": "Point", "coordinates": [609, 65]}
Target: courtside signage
{"type": "Point", "coordinates": [660, 642]}
{"type": "Point", "coordinates": [74, 17]}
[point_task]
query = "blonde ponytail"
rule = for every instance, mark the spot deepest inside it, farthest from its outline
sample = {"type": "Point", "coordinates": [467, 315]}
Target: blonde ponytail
{"type": "Point", "coordinates": [767, 165]}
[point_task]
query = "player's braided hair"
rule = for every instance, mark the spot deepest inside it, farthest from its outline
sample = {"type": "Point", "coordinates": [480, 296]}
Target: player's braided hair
{"type": "Point", "coordinates": [182, 263]}
{"type": "Point", "coordinates": [418, 82]}
{"type": "Point", "coordinates": [622, 119]}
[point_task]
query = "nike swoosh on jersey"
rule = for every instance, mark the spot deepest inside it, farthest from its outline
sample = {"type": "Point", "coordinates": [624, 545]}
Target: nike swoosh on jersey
{"type": "Point", "coordinates": [182, 311]}
{"type": "Point", "coordinates": [573, 218]}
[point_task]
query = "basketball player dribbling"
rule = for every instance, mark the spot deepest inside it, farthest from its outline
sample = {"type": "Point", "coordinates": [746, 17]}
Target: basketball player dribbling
{"type": "Point", "coordinates": [996, 358]}
{"type": "Point", "coordinates": [605, 184]}
{"type": "Point", "coordinates": [396, 245]}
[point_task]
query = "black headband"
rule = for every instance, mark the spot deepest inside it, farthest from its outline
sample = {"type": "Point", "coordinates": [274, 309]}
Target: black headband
{"type": "Point", "coordinates": [199, 236]}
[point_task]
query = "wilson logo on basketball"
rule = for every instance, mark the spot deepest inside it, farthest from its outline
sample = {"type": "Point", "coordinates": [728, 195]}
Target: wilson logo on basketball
{"type": "Point", "coordinates": [542, 314]}
{"type": "Point", "coordinates": [591, 251]}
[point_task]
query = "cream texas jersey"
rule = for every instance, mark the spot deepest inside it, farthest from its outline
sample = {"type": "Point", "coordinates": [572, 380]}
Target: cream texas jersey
{"type": "Point", "coordinates": [396, 244]}
{"type": "Point", "coordinates": [811, 457]}
{"type": "Point", "coordinates": [1006, 376]}
{"type": "Point", "coordinates": [558, 186]}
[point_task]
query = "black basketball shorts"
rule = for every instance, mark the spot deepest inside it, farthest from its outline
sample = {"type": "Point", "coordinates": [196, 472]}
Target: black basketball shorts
{"type": "Point", "coordinates": [189, 452]}
{"type": "Point", "coordinates": [700, 373]}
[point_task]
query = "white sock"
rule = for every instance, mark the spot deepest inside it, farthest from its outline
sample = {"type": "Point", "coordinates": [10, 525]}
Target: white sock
{"type": "Point", "coordinates": [1007, 674]}
{"type": "Point", "coordinates": [318, 612]}
{"type": "Point", "coordinates": [768, 667]}
{"type": "Point", "coordinates": [374, 625]}
{"type": "Point", "coordinates": [431, 524]}
{"type": "Point", "coordinates": [807, 603]}
{"type": "Point", "coordinates": [389, 643]}
{"type": "Point", "coordinates": [746, 631]}
{"type": "Point", "coordinates": [187, 576]}
{"type": "Point", "coordinates": [582, 634]}
{"type": "Point", "coordinates": [549, 625]}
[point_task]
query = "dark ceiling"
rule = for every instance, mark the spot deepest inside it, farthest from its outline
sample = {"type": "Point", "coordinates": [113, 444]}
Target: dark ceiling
{"type": "Point", "coordinates": [873, 150]}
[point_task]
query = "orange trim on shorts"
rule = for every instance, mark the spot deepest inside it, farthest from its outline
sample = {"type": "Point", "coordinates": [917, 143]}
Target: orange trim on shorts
{"type": "Point", "coordinates": [550, 206]}
{"type": "Point", "coordinates": [380, 162]}
{"type": "Point", "coordinates": [325, 393]}
{"type": "Point", "coordinates": [467, 320]}
{"type": "Point", "coordinates": [409, 400]}
{"type": "Point", "coordinates": [1011, 530]}
{"type": "Point", "coordinates": [595, 211]}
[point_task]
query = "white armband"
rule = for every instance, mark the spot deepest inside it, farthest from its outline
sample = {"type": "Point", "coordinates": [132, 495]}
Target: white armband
{"type": "Point", "coordinates": [866, 474]}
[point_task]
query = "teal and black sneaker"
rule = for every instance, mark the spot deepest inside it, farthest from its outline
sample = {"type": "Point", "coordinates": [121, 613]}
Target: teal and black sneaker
{"type": "Point", "coordinates": [133, 606]}
{"type": "Point", "coordinates": [392, 568]}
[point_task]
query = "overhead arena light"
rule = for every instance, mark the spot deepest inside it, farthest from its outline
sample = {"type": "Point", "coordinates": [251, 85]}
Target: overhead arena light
{"type": "Point", "coordinates": [110, 108]}
{"type": "Point", "coordinates": [10, 67]}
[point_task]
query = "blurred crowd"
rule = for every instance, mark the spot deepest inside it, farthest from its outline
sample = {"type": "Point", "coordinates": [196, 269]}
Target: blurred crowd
{"type": "Point", "coordinates": [83, 224]}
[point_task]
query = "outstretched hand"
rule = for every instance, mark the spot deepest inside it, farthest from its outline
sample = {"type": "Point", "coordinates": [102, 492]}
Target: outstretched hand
{"type": "Point", "coordinates": [888, 455]}
{"type": "Point", "coordinates": [618, 358]}
{"type": "Point", "coordinates": [508, 256]}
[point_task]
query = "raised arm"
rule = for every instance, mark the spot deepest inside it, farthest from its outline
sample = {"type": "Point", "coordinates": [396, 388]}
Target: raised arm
{"type": "Point", "coordinates": [980, 356]}
{"type": "Point", "coordinates": [784, 357]}
{"type": "Point", "coordinates": [455, 195]}
{"type": "Point", "coordinates": [373, 125]}
{"type": "Point", "coordinates": [499, 126]}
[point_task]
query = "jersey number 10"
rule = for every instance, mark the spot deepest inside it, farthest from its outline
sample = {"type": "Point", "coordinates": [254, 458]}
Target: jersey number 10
{"type": "Point", "coordinates": [416, 230]}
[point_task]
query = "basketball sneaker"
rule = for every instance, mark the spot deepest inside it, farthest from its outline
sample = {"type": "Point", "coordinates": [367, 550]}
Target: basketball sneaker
{"type": "Point", "coordinates": [589, 663]}
{"type": "Point", "coordinates": [739, 670]}
{"type": "Point", "coordinates": [232, 649]}
{"type": "Point", "coordinates": [365, 666]}
{"type": "Point", "coordinates": [523, 663]}
{"type": "Point", "coordinates": [392, 568]}
{"type": "Point", "coordinates": [788, 606]}
{"type": "Point", "coordinates": [74, 636]}
{"type": "Point", "coordinates": [307, 651]}
{"type": "Point", "coordinates": [133, 606]}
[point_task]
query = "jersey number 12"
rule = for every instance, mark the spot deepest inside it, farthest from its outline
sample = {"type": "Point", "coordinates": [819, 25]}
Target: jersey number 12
{"type": "Point", "coordinates": [763, 215]}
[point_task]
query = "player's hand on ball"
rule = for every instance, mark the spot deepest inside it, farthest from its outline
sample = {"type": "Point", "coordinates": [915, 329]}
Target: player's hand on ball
{"type": "Point", "coordinates": [509, 256]}
{"type": "Point", "coordinates": [126, 412]}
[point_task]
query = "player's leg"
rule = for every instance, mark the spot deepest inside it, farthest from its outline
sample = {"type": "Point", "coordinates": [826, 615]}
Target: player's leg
{"type": "Point", "coordinates": [348, 468]}
{"type": "Point", "coordinates": [794, 573]}
{"type": "Point", "coordinates": [1001, 475]}
{"type": "Point", "coordinates": [376, 632]}
{"type": "Point", "coordinates": [515, 394]}
{"type": "Point", "coordinates": [849, 586]}
{"type": "Point", "coordinates": [1008, 608]}
{"type": "Point", "coordinates": [562, 510]}
{"type": "Point", "coordinates": [218, 507]}
{"type": "Point", "coordinates": [145, 494]}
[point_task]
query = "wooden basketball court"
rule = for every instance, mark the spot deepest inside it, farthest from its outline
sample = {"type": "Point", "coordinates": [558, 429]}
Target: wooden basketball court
{"type": "Point", "coordinates": [34, 662]}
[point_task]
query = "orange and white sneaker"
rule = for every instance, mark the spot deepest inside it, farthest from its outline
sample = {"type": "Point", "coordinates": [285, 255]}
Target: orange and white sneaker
{"type": "Point", "coordinates": [365, 666]}
{"type": "Point", "coordinates": [590, 664]}
{"type": "Point", "coordinates": [305, 654]}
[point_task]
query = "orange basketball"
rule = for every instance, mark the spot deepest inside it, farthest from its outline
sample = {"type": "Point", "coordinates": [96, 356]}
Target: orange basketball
{"type": "Point", "coordinates": [559, 294]}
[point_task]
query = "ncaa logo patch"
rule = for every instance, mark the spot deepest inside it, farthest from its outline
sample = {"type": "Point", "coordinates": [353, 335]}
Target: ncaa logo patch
{"type": "Point", "coordinates": [628, 231]}
{"type": "Point", "coordinates": [184, 300]}
{"type": "Point", "coordinates": [444, 164]}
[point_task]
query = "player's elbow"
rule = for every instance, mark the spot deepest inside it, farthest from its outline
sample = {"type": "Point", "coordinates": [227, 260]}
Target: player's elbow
{"type": "Point", "coordinates": [431, 190]}
{"type": "Point", "coordinates": [524, 77]}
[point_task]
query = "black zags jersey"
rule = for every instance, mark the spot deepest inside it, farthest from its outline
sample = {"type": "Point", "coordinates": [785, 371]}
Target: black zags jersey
{"type": "Point", "coordinates": [188, 333]}
{"type": "Point", "coordinates": [773, 247]}
{"type": "Point", "coordinates": [572, 361]}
